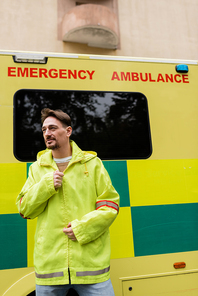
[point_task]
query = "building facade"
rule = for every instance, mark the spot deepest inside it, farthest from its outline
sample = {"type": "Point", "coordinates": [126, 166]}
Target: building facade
{"type": "Point", "coordinates": [146, 28]}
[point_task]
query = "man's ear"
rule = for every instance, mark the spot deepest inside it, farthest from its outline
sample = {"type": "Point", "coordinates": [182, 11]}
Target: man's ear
{"type": "Point", "coordinates": [69, 131]}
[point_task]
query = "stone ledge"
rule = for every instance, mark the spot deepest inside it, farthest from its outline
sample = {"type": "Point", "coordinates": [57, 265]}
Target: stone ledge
{"type": "Point", "coordinates": [94, 25]}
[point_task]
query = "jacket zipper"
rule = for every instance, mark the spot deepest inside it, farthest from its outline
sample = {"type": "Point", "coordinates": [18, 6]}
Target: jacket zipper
{"type": "Point", "coordinates": [68, 238]}
{"type": "Point", "coordinates": [63, 198]}
{"type": "Point", "coordinates": [69, 276]}
{"type": "Point", "coordinates": [64, 201]}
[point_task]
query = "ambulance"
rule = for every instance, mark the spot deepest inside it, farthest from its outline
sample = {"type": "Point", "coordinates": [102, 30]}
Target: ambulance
{"type": "Point", "coordinates": [141, 117]}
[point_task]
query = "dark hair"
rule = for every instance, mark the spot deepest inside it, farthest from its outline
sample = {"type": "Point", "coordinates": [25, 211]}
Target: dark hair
{"type": "Point", "coordinates": [59, 114]}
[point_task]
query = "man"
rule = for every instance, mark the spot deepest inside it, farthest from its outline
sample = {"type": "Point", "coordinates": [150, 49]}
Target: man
{"type": "Point", "coordinates": [71, 193]}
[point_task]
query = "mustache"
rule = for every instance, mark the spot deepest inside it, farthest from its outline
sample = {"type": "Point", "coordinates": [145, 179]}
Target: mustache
{"type": "Point", "coordinates": [50, 138]}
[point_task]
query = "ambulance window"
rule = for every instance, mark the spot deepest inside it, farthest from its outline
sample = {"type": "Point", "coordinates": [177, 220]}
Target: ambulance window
{"type": "Point", "coordinates": [114, 124]}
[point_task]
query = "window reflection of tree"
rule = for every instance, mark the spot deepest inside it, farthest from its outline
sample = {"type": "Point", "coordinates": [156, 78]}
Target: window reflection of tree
{"type": "Point", "coordinates": [113, 124]}
{"type": "Point", "coordinates": [129, 126]}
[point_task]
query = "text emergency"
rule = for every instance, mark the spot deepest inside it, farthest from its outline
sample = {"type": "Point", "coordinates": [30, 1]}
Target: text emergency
{"type": "Point", "coordinates": [50, 73]}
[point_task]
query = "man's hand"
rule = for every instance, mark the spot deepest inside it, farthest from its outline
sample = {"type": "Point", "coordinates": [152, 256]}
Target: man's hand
{"type": "Point", "coordinates": [58, 179]}
{"type": "Point", "coordinates": [69, 232]}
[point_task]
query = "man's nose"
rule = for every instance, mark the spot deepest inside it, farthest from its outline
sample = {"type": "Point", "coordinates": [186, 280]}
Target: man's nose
{"type": "Point", "coordinates": [47, 132]}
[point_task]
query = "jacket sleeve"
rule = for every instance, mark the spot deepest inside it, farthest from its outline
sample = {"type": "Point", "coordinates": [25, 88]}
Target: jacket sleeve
{"type": "Point", "coordinates": [95, 223]}
{"type": "Point", "coordinates": [33, 197]}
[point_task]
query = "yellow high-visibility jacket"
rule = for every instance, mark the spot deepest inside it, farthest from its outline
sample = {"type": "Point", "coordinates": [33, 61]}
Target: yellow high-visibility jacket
{"type": "Point", "coordinates": [88, 200]}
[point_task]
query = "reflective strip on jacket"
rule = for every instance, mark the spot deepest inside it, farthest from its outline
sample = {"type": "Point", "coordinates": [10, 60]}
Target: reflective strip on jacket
{"type": "Point", "coordinates": [88, 200]}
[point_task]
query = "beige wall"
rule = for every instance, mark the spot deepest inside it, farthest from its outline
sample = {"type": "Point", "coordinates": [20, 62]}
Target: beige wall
{"type": "Point", "coordinates": [148, 28]}
{"type": "Point", "coordinates": [159, 28]}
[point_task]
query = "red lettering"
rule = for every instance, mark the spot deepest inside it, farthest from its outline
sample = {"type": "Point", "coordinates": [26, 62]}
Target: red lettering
{"type": "Point", "coordinates": [125, 76]}
{"type": "Point", "coordinates": [33, 72]}
{"type": "Point", "coordinates": [73, 74]}
{"type": "Point", "coordinates": [146, 76]}
{"type": "Point", "coordinates": [115, 76]}
{"type": "Point", "coordinates": [134, 76]}
{"type": "Point", "coordinates": [43, 72]}
{"type": "Point", "coordinates": [53, 73]}
{"type": "Point", "coordinates": [22, 72]}
{"type": "Point", "coordinates": [90, 74]}
{"type": "Point", "coordinates": [12, 71]}
{"type": "Point", "coordinates": [176, 80]}
{"type": "Point", "coordinates": [160, 78]}
{"type": "Point", "coordinates": [80, 76]}
{"type": "Point", "coordinates": [150, 78]}
{"type": "Point", "coordinates": [169, 77]}
{"type": "Point", "coordinates": [185, 78]}
{"type": "Point", "coordinates": [62, 73]}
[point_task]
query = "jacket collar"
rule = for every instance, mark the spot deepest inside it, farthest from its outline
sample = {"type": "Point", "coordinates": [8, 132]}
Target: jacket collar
{"type": "Point", "coordinates": [45, 158]}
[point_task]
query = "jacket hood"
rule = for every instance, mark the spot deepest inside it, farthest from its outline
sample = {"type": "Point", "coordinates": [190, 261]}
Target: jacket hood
{"type": "Point", "coordinates": [45, 158]}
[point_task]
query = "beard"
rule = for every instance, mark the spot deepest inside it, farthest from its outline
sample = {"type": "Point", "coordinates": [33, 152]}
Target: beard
{"type": "Point", "coordinates": [52, 146]}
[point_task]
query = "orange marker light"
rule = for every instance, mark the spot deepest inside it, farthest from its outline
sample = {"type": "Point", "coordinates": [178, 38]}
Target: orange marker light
{"type": "Point", "coordinates": [179, 265]}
